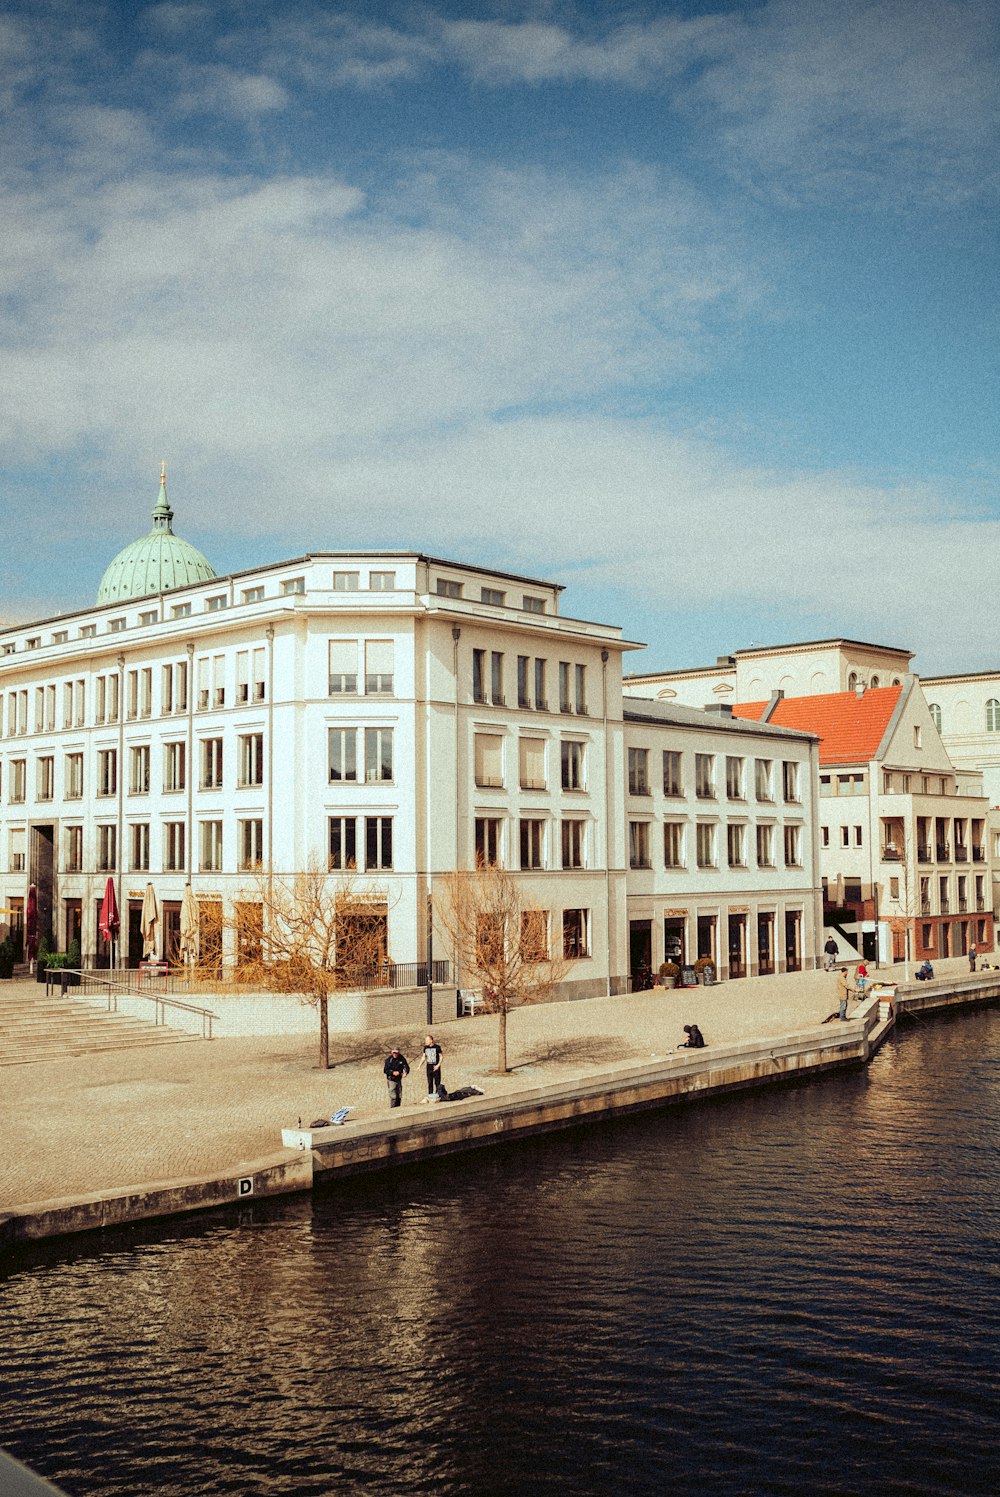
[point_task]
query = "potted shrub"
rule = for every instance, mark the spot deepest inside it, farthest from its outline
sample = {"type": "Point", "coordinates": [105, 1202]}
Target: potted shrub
{"type": "Point", "coordinates": [42, 958]}
{"type": "Point", "coordinates": [705, 969]}
{"type": "Point", "coordinates": [669, 973]}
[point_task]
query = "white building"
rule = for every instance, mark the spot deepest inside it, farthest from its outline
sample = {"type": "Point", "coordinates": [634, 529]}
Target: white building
{"type": "Point", "coordinates": [387, 712]}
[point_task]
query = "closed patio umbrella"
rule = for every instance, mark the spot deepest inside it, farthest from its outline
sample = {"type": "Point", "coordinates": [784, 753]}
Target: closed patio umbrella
{"type": "Point", "coordinates": [150, 918]}
{"type": "Point", "coordinates": [189, 927]}
{"type": "Point", "coordinates": [31, 924]}
{"type": "Point", "coordinates": [109, 922]}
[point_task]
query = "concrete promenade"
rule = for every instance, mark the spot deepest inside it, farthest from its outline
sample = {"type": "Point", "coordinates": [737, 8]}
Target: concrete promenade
{"type": "Point", "coordinates": [107, 1122]}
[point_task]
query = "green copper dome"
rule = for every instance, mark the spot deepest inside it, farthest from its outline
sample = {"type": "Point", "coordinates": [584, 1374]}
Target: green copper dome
{"type": "Point", "coordinates": [159, 561]}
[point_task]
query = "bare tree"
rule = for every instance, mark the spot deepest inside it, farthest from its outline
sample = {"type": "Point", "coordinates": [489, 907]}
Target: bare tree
{"type": "Point", "coordinates": [311, 934]}
{"type": "Point", "coordinates": [503, 940]}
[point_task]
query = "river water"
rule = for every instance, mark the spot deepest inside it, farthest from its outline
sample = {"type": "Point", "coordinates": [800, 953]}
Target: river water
{"type": "Point", "coordinates": [791, 1291]}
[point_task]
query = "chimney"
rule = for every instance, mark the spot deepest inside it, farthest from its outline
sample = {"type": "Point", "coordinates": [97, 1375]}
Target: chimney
{"type": "Point", "coordinates": [859, 689]}
{"type": "Point", "coordinates": [719, 709]}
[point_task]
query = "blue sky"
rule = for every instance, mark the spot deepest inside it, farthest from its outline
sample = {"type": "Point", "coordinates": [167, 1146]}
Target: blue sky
{"type": "Point", "coordinates": [693, 309]}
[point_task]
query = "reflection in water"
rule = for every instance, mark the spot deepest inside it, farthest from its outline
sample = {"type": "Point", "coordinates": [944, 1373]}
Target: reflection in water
{"type": "Point", "coordinates": [782, 1292]}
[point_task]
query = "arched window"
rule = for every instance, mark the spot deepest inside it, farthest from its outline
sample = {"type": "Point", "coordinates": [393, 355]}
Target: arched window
{"type": "Point", "coordinates": [896, 681]}
{"type": "Point", "coordinates": [935, 712]}
{"type": "Point", "coordinates": [873, 681]}
{"type": "Point", "coordinates": [852, 680]}
{"type": "Point", "coordinates": [993, 716]}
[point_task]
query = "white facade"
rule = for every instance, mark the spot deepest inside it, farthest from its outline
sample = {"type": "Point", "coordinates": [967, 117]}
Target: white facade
{"type": "Point", "coordinates": [723, 856]}
{"type": "Point", "coordinates": [753, 675]}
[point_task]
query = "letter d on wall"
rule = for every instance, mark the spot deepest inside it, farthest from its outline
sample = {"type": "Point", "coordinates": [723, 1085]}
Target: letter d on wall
{"type": "Point", "coordinates": [244, 1186]}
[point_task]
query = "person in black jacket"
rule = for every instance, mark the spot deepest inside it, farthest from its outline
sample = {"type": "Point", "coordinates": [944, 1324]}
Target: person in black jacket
{"type": "Point", "coordinates": [396, 1067]}
{"type": "Point", "coordinates": [695, 1039]}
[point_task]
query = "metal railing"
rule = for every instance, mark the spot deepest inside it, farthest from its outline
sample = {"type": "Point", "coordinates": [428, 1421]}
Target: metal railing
{"type": "Point", "coordinates": [119, 986]}
{"type": "Point", "coordinates": [925, 853]}
{"type": "Point", "coordinates": [943, 852]}
{"type": "Point", "coordinates": [961, 853]}
{"type": "Point", "coordinates": [397, 975]}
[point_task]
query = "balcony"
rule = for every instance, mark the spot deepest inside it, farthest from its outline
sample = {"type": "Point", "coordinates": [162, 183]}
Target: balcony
{"type": "Point", "coordinates": [978, 855]}
{"type": "Point", "coordinates": [891, 853]}
{"type": "Point", "coordinates": [980, 904]}
{"type": "Point", "coordinates": [925, 853]}
{"type": "Point", "coordinates": [961, 853]}
{"type": "Point", "coordinates": [963, 906]}
{"type": "Point", "coordinates": [945, 907]}
{"type": "Point", "coordinates": [925, 907]}
{"type": "Point", "coordinates": [943, 852]}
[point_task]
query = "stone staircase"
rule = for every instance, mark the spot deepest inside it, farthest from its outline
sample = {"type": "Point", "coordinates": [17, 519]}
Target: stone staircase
{"type": "Point", "coordinates": [34, 1027]}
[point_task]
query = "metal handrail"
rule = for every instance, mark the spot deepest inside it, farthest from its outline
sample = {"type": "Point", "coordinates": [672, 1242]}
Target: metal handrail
{"type": "Point", "coordinates": [113, 988]}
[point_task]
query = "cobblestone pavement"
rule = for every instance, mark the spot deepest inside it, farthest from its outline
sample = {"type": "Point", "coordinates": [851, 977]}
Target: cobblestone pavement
{"type": "Point", "coordinates": [101, 1122]}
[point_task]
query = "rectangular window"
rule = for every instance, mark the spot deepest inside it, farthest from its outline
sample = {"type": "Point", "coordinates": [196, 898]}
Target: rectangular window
{"type": "Point", "coordinates": [496, 678]}
{"type": "Point", "coordinates": [138, 769]}
{"type": "Point", "coordinates": [379, 665]}
{"type": "Point", "coordinates": [705, 844]}
{"type": "Point", "coordinates": [293, 587]}
{"type": "Point", "coordinates": [174, 766]}
{"type": "Point", "coordinates": [115, 626]}
{"type": "Point", "coordinates": [704, 776]}
{"type": "Point", "coordinates": [378, 842]}
{"type": "Point", "coordinates": [448, 589]}
{"type": "Point", "coordinates": [67, 713]}
{"type": "Point", "coordinates": [251, 760]}
{"type": "Point", "coordinates": [580, 679]}
{"type": "Point", "coordinates": [378, 755]}
{"type": "Point", "coordinates": [492, 595]}
{"type": "Point", "coordinates": [763, 783]}
{"type": "Point", "coordinates": [74, 849]}
{"type": "Point", "coordinates": [734, 779]}
{"type": "Point", "coordinates": [252, 594]}
{"type": "Point", "coordinates": [346, 582]}
{"type": "Point", "coordinates": [532, 605]}
{"type": "Point", "coordinates": [343, 755]}
{"type": "Point", "coordinates": [107, 849]}
{"type": "Point", "coordinates": [211, 764]}
{"type": "Point", "coordinates": [204, 694]}
{"type": "Point", "coordinates": [736, 855]}
{"type": "Point", "coordinates": [858, 837]}
{"type": "Point", "coordinates": [790, 780]}
{"type": "Point", "coordinates": [523, 699]}
{"type": "Point", "coordinates": [132, 695]}
{"type": "Point", "coordinates": [489, 760]}
{"type": "Point", "coordinates": [638, 771]}
{"type": "Point", "coordinates": [565, 697]}
{"type": "Point", "coordinates": [343, 667]}
{"type": "Point", "coordinates": [793, 855]}
{"type": "Point", "coordinates": [107, 772]}
{"type": "Point", "coordinates": [573, 832]}
{"type": "Point", "coordinates": [638, 844]}
{"type": "Point", "coordinates": [250, 842]}
{"type": "Point", "coordinates": [150, 616]}
{"type": "Point", "coordinates": [242, 676]}
{"type": "Point", "coordinates": [532, 835]}
{"type": "Point", "coordinates": [39, 709]}
{"type": "Point", "coordinates": [258, 677]}
{"type": "Point", "coordinates": [479, 675]}
{"type": "Point", "coordinates": [17, 853]}
{"type": "Point", "coordinates": [146, 693]}
{"type": "Point", "coordinates": [74, 776]}
{"type": "Point", "coordinates": [343, 842]}
{"type": "Point", "coordinates": [541, 701]}
{"type": "Point", "coordinates": [18, 780]}
{"type": "Point", "coordinates": [576, 934]}
{"type": "Point", "coordinates": [825, 836]}
{"type": "Point", "coordinates": [79, 703]}
{"type": "Point", "coordinates": [673, 844]}
{"type": "Point", "coordinates": [173, 847]}
{"type": "Point", "coordinates": [138, 835]}
{"type": "Point", "coordinates": [382, 582]}
{"type": "Point", "coordinates": [845, 836]}
{"type": "Point", "coordinates": [45, 772]}
{"type": "Point", "coordinates": [218, 680]}
{"type": "Point", "coordinates": [672, 782]}
{"type": "Point", "coordinates": [572, 765]}
{"type": "Point", "coordinates": [50, 709]}
{"type": "Point", "coordinates": [210, 860]}
{"type": "Point", "coordinates": [531, 754]}
{"type": "Point", "coordinates": [180, 611]}
{"type": "Point", "coordinates": [534, 935]}
{"type": "Point", "coordinates": [488, 831]}
{"type": "Point", "coordinates": [765, 847]}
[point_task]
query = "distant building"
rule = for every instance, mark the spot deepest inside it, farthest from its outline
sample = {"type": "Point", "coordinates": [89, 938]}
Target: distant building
{"type": "Point", "coordinates": [904, 836]}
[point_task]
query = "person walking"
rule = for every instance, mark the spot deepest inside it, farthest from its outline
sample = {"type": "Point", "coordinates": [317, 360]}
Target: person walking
{"type": "Point", "coordinates": [843, 992]}
{"type": "Point", "coordinates": [830, 953]}
{"type": "Point", "coordinates": [396, 1067]}
{"type": "Point", "coordinates": [432, 1060]}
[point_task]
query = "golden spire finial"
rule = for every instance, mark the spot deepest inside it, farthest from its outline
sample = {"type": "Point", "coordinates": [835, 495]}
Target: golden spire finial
{"type": "Point", "coordinates": [163, 473]}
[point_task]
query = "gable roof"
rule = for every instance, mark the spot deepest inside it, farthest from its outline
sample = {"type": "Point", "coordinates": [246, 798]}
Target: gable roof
{"type": "Point", "coordinates": [850, 728]}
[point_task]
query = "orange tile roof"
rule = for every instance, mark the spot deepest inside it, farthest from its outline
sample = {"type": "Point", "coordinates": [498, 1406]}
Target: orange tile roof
{"type": "Point", "coordinates": [850, 728]}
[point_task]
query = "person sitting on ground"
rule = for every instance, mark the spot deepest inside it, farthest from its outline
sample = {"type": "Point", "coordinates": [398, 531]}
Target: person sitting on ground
{"type": "Point", "coordinates": [695, 1039]}
{"type": "Point", "coordinates": [925, 973]}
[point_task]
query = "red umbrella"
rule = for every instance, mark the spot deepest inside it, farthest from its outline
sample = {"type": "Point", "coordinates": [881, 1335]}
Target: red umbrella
{"type": "Point", "coordinates": [31, 924]}
{"type": "Point", "coordinates": [110, 924]}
